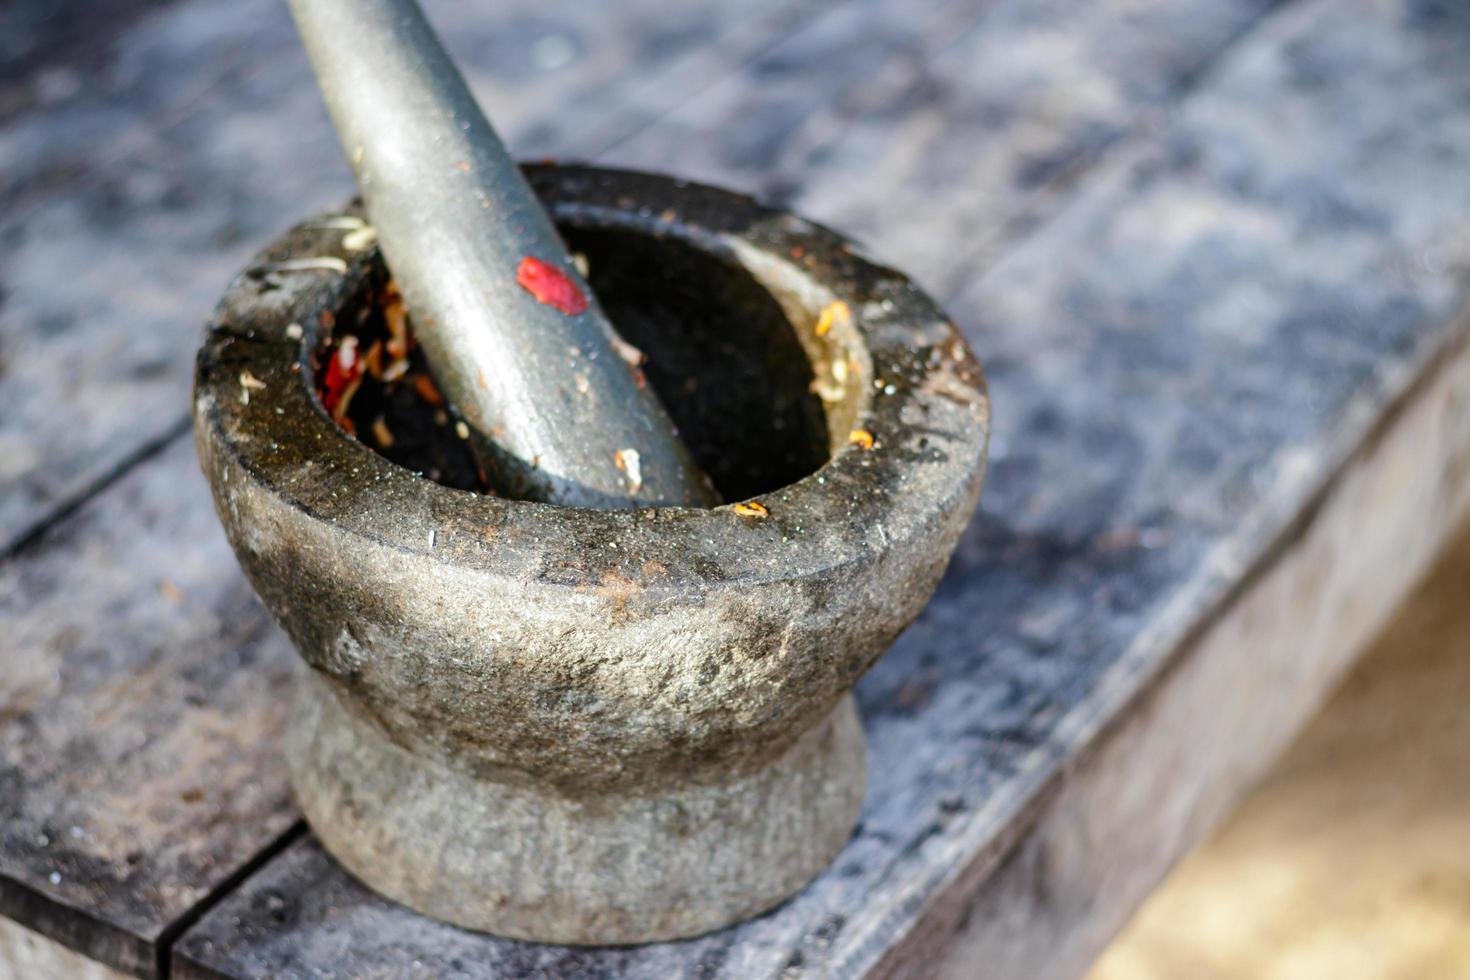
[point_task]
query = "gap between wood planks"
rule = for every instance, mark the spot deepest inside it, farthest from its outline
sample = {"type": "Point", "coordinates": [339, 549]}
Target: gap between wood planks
{"type": "Point", "coordinates": [29, 537]}
{"type": "Point", "coordinates": [181, 426]}
{"type": "Point", "coordinates": [1272, 519]}
{"type": "Point", "coordinates": [175, 929]}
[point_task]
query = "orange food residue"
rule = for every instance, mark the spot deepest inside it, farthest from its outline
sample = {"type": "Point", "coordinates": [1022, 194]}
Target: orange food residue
{"type": "Point", "coordinates": [833, 313]}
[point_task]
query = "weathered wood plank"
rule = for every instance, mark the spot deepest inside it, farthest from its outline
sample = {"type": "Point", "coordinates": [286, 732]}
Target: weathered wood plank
{"type": "Point", "coordinates": [92, 81]}
{"type": "Point", "coordinates": [903, 35]}
{"type": "Point", "coordinates": [50, 54]}
{"type": "Point", "coordinates": [124, 213]}
{"type": "Point", "coordinates": [190, 180]}
{"type": "Point", "coordinates": [198, 57]}
{"type": "Point", "coordinates": [1182, 364]}
{"type": "Point", "coordinates": [1172, 764]}
{"type": "Point", "coordinates": [140, 717]}
{"type": "Point", "coordinates": [935, 134]}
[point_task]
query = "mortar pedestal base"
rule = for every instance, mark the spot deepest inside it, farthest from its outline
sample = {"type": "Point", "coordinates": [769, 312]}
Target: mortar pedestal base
{"type": "Point", "coordinates": [532, 864]}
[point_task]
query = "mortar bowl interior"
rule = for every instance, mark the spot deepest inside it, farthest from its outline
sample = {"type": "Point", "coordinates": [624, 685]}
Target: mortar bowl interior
{"type": "Point", "coordinates": [739, 379]}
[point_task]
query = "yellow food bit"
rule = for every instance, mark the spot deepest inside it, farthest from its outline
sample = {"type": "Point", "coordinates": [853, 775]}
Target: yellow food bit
{"type": "Point", "coordinates": [382, 433]}
{"type": "Point", "coordinates": [751, 508]}
{"type": "Point", "coordinates": [833, 313]}
{"type": "Point", "coordinates": [861, 438]}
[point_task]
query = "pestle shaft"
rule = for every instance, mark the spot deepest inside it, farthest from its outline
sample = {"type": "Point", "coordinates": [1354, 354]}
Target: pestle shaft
{"type": "Point", "coordinates": [516, 339]}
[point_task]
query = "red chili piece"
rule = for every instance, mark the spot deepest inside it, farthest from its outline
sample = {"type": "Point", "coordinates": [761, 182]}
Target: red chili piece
{"type": "Point", "coordinates": [550, 286]}
{"type": "Point", "coordinates": [344, 367]}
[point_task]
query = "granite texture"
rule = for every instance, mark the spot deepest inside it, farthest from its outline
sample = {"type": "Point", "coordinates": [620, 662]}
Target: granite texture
{"type": "Point", "coordinates": [585, 725]}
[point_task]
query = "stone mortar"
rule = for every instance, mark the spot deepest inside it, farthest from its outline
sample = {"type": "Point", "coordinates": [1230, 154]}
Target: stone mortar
{"type": "Point", "coordinates": [582, 726]}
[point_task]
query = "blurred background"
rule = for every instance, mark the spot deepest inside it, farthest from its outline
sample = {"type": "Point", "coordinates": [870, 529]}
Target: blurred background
{"type": "Point", "coordinates": [1349, 860]}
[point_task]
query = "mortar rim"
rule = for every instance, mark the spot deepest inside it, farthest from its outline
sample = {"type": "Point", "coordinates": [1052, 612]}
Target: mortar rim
{"type": "Point", "coordinates": [891, 318]}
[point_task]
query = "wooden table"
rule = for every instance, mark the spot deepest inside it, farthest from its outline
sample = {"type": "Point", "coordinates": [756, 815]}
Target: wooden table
{"type": "Point", "coordinates": [1214, 254]}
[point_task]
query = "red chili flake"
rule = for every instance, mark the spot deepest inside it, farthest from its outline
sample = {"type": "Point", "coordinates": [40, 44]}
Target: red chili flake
{"type": "Point", "coordinates": [550, 286]}
{"type": "Point", "coordinates": [343, 370]}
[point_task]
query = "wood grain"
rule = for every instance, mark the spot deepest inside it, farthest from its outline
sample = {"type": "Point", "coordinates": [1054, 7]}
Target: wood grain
{"type": "Point", "coordinates": [894, 36]}
{"type": "Point", "coordinates": [934, 133]}
{"type": "Point", "coordinates": [1174, 761]}
{"type": "Point", "coordinates": [1183, 363]}
{"type": "Point", "coordinates": [1181, 360]}
{"type": "Point", "coordinates": [140, 719]}
{"type": "Point", "coordinates": [926, 127]}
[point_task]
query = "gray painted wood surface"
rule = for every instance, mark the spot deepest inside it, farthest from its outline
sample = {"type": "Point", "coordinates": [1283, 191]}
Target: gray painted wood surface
{"type": "Point", "coordinates": [1188, 336]}
{"type": "Point", "coordinates": [1160, 774]}
{"type": "Point", "coordinates": [141, 717]}
{"type": "Point", "coordinates": [1181, 362]}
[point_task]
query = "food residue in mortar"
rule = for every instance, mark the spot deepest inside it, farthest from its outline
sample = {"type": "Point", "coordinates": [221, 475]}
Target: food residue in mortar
{"type": "Point", "coordinates": [835, 312]}
{"type": "Point", "coordinates": [627, 460]}
{"type": "Point", "coordinates": [374, 381]}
